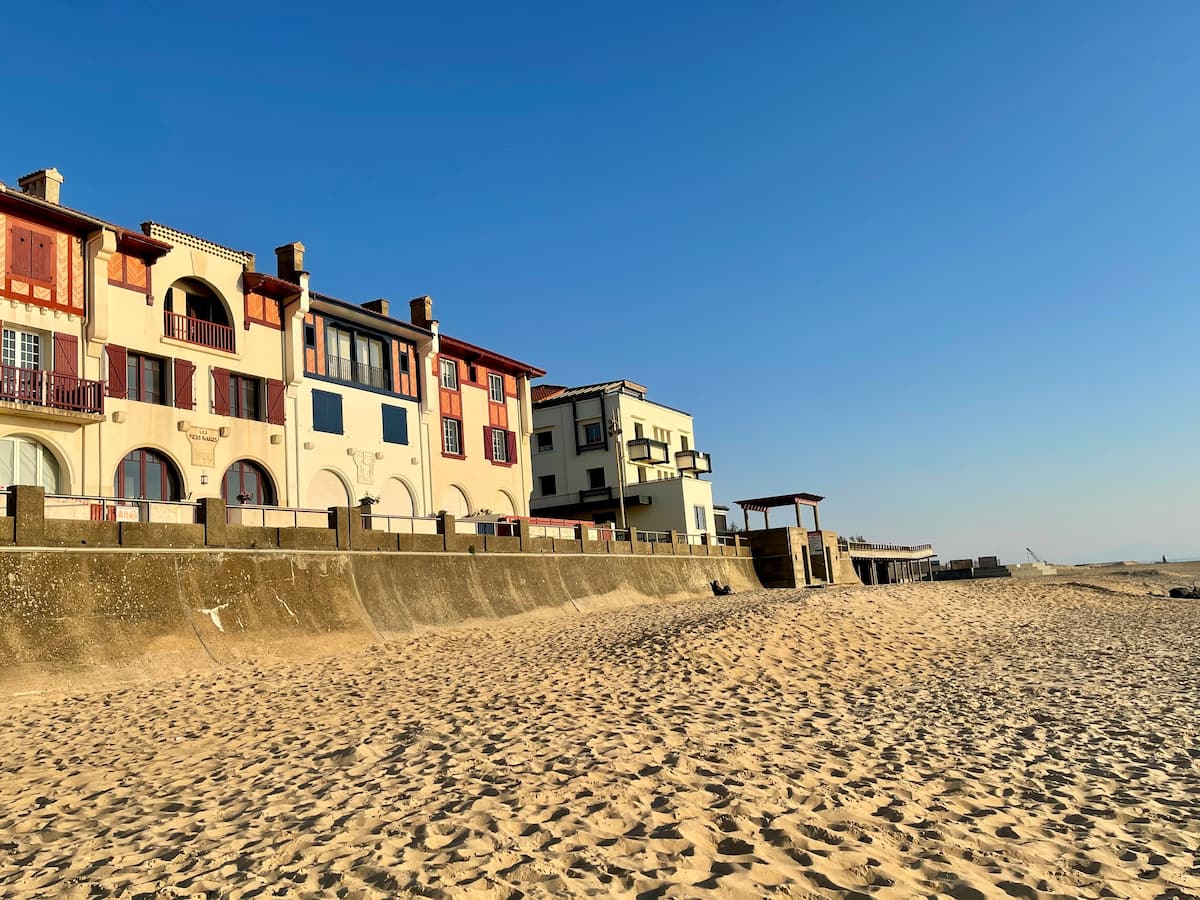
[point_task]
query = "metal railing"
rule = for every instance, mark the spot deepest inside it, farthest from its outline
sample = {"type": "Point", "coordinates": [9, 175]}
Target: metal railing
{"type": "Point", "coordinates": [261, 516]}
{"type": "Point", "coordinates": [695, 538]}
{"type": "Point", "coordinates": [654, 537]}
{"type": "Point", "coordinates": [844, 544]}
{"type": "Point", "coordinates": [400, 524]}
{"type": "Point", "coordinates": [197, 331]}
{"type": "Point", "coordinates": [38, 387]}
{"type": "Point", "coordinates": [120, 509]}
{"type": "Point", "coordinates": [726, 540]}
{"type": "Point", "coordinates": [344, 369]}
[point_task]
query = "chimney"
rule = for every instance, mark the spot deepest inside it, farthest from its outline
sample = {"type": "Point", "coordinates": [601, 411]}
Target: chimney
{"type": "Point", "coordinates": [380, 306]}
{"type": "Point", "coordinates": [422, 311]}
{"type": "Point", "coordinates": [290, 261]}
{"type": "Point", "coordinates": [43, 184]}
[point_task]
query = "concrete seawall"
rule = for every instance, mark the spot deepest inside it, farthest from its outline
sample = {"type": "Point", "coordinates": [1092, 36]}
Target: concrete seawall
{"type": "Point", "coordinates": [96, 616]}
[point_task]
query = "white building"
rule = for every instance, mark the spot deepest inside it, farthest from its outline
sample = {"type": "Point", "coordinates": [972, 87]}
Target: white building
{"type": "Point", "coordinates": [580, 466]}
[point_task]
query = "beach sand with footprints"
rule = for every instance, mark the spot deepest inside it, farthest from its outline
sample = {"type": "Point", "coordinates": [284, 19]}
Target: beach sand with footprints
{"type": "Point", "coordinates": [969, 739]}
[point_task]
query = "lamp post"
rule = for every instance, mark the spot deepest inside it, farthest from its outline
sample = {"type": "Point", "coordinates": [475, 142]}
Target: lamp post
{"type": "Point", "coordinates": [614, 431]}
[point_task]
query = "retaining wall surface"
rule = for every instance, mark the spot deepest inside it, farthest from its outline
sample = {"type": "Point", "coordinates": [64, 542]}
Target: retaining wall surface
{"type": "Point", "coordinates": [101, 616]}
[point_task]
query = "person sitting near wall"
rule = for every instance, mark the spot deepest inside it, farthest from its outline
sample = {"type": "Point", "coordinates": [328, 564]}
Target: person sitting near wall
{"type": "Point", "coordinates": [720, 590]}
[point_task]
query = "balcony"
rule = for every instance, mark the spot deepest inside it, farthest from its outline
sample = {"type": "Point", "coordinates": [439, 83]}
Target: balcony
{"type": "Point", "coordinates": [344, 369]}
{"type": "Point", "coordinates": [197, 331]}
{"type": "Point", "coordinates": [594, 495]}
{"type": "Point", "coordinates": [693, 461]}
{"type": "Point", "coordinates": [39, 389]}
{"type": "Point", "coordinates": [644, 450]}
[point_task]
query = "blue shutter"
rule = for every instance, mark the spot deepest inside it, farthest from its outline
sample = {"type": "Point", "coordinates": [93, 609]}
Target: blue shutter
{"type": "Point", "coordinates": [395, 424]}
{"type": "Point", "coordinates": [327, 412]}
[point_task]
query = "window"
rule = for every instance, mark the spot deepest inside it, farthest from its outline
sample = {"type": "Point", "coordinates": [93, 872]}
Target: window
{"type": "Point", "coordinates": [327, 412]}
{"type": "Point", "coordinates": [31, 254]}
{"type": "Point", "coordinates": [21, 349]}
{"type": "Point", "coordinates": [641, 474]}
{"type": "Point", "coordinates": [449, 374]}
{"type": "Point", "coordinates": [595, 478]}
{"type": "Point", "coordinates": [495, 388]}
{"type": "Point", "coordinates": [639, 431]}
{"type": "Point", "coordinates": [247, 482]}
{"type": "Point", "coordinates": [500, 445]}
{"type": "Point", "coordinates": [245, 397]}
{"type": "Point", "coordinates": [546, 485]}
{"type": "Point", "coordinates": [452, 437]}
{"type": "Point", "coordinates": [25, 461]}
{"type": "Point", "coordinates": [310, 335]}
{"type": "Point", "coordinates": [701, 519]}
{"type": "Point", "coordinates": [353, 356]}
{"type": "Point", "coordinates": [395, 424]}
{"type": "Point", "coordinates": [145, 474]}
{"type": "Point", "coordinates": [472, 374]}
{"type": "Point", "coordinates": [683, 443]}
{"type": "Point", "coordinates": [544, 441]}
{"type": "Point", "coordinates": [593, 433]}
{"type": "Point", "coordinates": [144, 378]}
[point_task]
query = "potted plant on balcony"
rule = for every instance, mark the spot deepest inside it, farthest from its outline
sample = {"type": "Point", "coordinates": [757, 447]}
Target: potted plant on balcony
{"type": "Point", "coordinates": [245, 497]}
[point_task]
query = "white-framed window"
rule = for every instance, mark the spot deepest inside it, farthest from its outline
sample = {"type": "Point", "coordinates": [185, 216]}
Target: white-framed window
{"type": "Point", "coordinates": [449, 374]}
{"type": "Point", "coordinates": [543, 441]}
{"type": "Point", "coordinates": [452, 436]}
{"type": "Point", "coordinates": [701, 518]}
{"type": "Point", "coordinates": [495, 387]}
{"type": "Point", "coordinates": [593, 433]}
{"type": "Point", "coordinates": [25, 461]}
{"type": "Point", "coordinates": [500, 445]}
{"type": "Point", "coordinates": [22, 349]}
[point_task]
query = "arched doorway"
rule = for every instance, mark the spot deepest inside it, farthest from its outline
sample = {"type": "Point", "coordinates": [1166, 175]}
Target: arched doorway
{"type": "Point", "coordinates": [502, 504]}
{"type": "Point", "coordinates": [249, 480]}
{"type": "Point", "coordinates": [195, 313]}
{"type": "Point", "coordinates": [327, 489]}
{"type": "Point", "coordinates": [146, 474]}
{"type": "Point", "coordinates": [27, 461]}
{"type": "Point", "coordinates": [395, 499]}
{"type": "Point", "coordinates": [455, 502]}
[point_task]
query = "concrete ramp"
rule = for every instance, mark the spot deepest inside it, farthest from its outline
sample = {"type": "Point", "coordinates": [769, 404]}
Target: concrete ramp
{"type": "Point", "coordinates": [93, 617]}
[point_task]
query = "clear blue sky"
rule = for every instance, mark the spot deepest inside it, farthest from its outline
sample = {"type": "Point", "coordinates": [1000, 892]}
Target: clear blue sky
{"type": "Point", "coordinates": [936, 261]}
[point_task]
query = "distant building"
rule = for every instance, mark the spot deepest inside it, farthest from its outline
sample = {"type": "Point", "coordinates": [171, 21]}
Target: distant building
{"type": "Point", "coordinates": [576, 473]}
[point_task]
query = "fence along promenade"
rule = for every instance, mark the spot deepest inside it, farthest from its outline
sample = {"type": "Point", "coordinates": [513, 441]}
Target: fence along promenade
{"type": "Point", "coordinates": [35, 519]}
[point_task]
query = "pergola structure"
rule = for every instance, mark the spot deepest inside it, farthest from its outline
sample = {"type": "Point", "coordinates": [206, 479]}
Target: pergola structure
{"type": "Point", "coordinates": [765, 504]}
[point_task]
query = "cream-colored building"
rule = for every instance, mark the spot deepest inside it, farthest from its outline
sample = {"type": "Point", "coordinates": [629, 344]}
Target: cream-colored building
{"type": "Point", "coordinates": [581, 465]}
{"type": "Point", "coordinates": [159, 365]}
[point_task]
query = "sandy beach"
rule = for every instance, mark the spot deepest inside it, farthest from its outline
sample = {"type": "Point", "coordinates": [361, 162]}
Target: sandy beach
{"type": "Point", "coordinates": [971, 739]}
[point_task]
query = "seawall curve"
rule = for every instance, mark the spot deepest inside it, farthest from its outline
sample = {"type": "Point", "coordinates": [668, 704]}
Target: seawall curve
{"type": "Point", "coordinates": [100, 616]}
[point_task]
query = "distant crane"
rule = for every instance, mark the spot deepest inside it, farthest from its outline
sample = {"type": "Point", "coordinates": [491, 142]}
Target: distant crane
{"type": "Point", "coordinates": [1035, 557]}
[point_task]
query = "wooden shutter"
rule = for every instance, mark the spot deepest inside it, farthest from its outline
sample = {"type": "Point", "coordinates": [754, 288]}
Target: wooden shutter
{"type": "Point", "coordinates": [511, 438]}
{"type": "Point", "coordinates": [20, 251]}
{"type": "Point", "coordinates": [220, 379]}
{"type": "Point", "coordinates": [185, 377]}
{"type": "Point", "coordinates": [116, 371]}
{"type": "Point", "coordinates": [487, 443]}
{"type": "Point", "coordinates": [43, 257]}
{"type": "Point", "coordinates": [66, 349]}
{"type": "Point", "coordinates": [275, 394]}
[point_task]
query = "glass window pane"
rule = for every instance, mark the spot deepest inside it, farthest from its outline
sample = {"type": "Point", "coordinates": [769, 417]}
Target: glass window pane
{"type": "Point", "coordinates": [131, 472]}
{"type": "Point", "coordinates": [8, 474]}
{"type": "Point", "coordinates": [153, 487]}
{"type": "Point", "coordinates": [28, 465]}
{"type": "Point", "coordinates": [50, 472]}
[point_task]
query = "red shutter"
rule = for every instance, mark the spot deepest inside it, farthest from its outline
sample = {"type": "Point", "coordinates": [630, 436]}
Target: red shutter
{"type": "Point", "coordinates": [275, 393]}
{"type": "Point", "coordinates": [511, 437]}
{"type": "Point", "coordinates": [116, 371]}
{"type": "Point", "coordinates": [185, 376]}
{"type": "Point", "coordinates": [66, 349]}
{"type": "Point", "coordinates": [220, 391]}
{"type": "Point", "coordinates": [43, 257]}
{"type": "Point", "coordinates": [20, 252]}
{"type": "Point", "coordinates": [487, 443]}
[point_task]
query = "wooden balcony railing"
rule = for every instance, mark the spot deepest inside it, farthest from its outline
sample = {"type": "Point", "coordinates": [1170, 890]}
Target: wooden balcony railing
{"type": "Point", "coordinates": [38, 387]}
{"type": "Point", "coordinates": [197, 331]}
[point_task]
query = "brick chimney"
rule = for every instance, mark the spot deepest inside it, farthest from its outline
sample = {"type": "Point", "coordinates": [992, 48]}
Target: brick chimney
{"type": "Point", "coordinates": [421, 310]}
{"type": "Point", "coordinates": [43, 184]}
{"type": "Point", "coordinates": [380, 306]}
{"type": "Point", "coordinates": [290, 261]}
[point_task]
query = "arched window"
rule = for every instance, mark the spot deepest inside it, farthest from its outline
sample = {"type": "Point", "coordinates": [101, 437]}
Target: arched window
{"type": "Point", "coordinates": [249, 480]}
{"type": "Point", "coordinates": [146, 474]}
{"type": "Point", "coordinates": [193, 298]}
{"type": "Point", "coordinates": [26, 461]}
